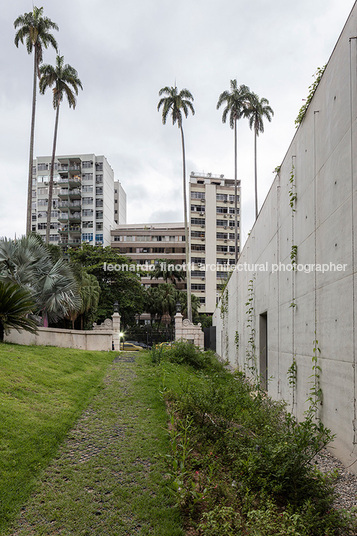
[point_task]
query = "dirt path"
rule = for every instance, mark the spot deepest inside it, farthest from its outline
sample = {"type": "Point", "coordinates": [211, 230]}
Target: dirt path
{"type": "Point", "coordinates": [105, 479]}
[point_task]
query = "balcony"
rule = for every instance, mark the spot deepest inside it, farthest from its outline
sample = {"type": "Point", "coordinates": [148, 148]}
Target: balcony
{"type": "Point", "coordinates": [73, 205]}
{"type": "Point", "coordinates": [70, 242]}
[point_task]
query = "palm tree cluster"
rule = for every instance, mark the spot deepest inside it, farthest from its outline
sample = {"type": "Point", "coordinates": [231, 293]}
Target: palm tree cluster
{"type": "Point", "coordinates": [36, 283]}
{"type": "Point", "coordinates": [34, 30]}
{"type": "Point", "coordinates": [238, 102]}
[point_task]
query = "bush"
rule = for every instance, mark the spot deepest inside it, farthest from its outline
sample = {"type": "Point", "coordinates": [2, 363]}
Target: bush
{"type": "Point", "coordinates": [185, 353]}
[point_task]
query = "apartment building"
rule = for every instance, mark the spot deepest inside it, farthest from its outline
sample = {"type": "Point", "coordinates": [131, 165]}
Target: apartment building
{"type": "Point", "coordinates": [212, 234]}
{"type": "Point", "coordinates": [212, 238]}
{"type": "Point", "coordinates": [146, 243]}
{"type": "Point", "coordinates": [87, 203]}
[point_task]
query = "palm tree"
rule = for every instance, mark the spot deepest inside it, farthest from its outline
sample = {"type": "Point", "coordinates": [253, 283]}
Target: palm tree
{"type": "Point", "coordinates": [34, 30]}
{"type": "Point", "coordinates": [168, 271]}
{"type": "Point", "coordinates": [15, 306]}
{"type": "Point", "coordinates": [65, 80]}
{"type": "Point", "coordinates": [27, 262]}
{"type": "Point", "coordinates": [176, 104]}
{"type": "Point", "coordinates": [256, 111]}
{"type": "Point", "coordinates": [236, 102]}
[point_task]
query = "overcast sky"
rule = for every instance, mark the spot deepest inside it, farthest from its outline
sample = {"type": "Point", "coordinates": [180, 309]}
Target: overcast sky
{"type": "Point", "coordinates": [124, 52]}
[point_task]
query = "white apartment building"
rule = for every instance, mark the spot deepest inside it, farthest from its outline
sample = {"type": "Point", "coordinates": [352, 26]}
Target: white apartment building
{"type": "Point", "coordinates": [146, 243]}
{"type": "Point", "coordinates": [212, 235]}
{"type": "Point", "coordinates": [87, 203]}
{"type": "Point", "coordinates": [212, 238]}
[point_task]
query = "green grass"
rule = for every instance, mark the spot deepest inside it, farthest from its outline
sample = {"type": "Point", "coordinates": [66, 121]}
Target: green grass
{"type": "Point", "coordinates": [43, 390]}
{"type": "Point", "coordinates": [108, 476]}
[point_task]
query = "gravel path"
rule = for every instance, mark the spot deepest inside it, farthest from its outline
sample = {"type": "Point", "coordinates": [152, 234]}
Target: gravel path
{"type": "Point", "coordinates": [346, 482]}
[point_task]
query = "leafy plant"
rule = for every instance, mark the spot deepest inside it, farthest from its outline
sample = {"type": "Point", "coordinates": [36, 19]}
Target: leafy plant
{"type": "Point", "coordinates": [318, 75]}
{"type": "Point", "coordinates": [15, 306]}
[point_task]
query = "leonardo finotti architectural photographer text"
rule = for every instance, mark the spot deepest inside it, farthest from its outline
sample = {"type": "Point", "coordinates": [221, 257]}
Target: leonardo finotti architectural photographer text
{"type": "Point", "coordinates": [240, 267]}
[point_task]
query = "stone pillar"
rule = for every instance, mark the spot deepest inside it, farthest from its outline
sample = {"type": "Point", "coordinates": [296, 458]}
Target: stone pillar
{"type": "Point", "coordinates": [178, 326]}
{"type": "Point", "coordinates": [116, 331]}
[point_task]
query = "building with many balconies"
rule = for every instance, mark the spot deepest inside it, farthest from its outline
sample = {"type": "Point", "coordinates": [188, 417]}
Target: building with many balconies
{"type": "Point", "coordinates": [87, 202]}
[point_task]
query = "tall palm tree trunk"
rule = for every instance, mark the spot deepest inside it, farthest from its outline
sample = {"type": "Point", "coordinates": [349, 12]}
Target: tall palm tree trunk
{"type": "Point", "coordinates": [50, 185]}
{"type": "Point", "coordinates": [255, 174]}
{"type": "Point", "coordinates": [235, 195]}
{"type": "Point", "coordinates": [32, 141]}
{"type": "Point", "coordinates": [187, 236]}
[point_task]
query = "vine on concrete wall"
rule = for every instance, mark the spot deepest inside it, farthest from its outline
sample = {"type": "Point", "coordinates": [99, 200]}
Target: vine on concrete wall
{"type": "Point", "coordinates": [315, 392]}
{"type": "Point", "coordinates": [312, 89]}
{"type": "Point", "coordinates": [251, 362]}
{"type": "Point", "coordinates": [224, 314]}
{"type": "Point", "coordinates": [292, 189]}
{"type": "Point", "coordinates": [292, 379]}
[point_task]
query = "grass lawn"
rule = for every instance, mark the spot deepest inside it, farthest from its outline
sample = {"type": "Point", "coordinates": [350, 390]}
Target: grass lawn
{"type": "Point", "coordinates": [43, 390]}
{"type": "Point", "coordinates": [107, 477]}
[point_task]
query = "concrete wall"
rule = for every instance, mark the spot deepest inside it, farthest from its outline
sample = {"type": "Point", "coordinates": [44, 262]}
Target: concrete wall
{"type": "Point", "coordinates": [64, 338]}
{"type": "Point", "coordinates": [297, 307]}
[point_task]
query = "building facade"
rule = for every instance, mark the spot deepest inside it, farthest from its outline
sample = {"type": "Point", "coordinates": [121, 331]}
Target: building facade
{"type": "Point", "coordinates": [212, 238]}
{"type": "Point", "coordinates": [212, 235]}
{"type": "Point", "coordinates": [297, 271]}
{"type": "Point", "coordinates": [84, 201]}
{"type": "Point", "coordinates": [146, 243]}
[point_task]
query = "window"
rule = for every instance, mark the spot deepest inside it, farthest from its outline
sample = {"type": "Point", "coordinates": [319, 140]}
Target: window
{"type": "Point", "coordinates": [221, 223]}
{"type": "Point", "coordinates": [33, 193]}
{"type": "Point", "coordinates": [41, 226]}
{"type": "Point", "coordinates": [54, 238]}
{"type": "Point", "coordinates": [232, 249]}
{"type": "Point", "coordinates": [87, 176]}
{"type": "Point", "coordinates": [99, 180]}
{"type": "Point", "coordinates": [88, 188]}
{"type": "Point", "coordinates": [222, 275]}
{"type": "Point", "coordinates": [42, 202]}
{"type": "Point", "coordinates": [198, 221]}
{"type": "Point", "coordinates": [42, 167]}
{"type": "Point", "coordinates": [33, 217]}
{"type": "Point", "coordinates": [221, 236]}
{"type": "Point", "coordinates": [54, 213]}
{"type": "Point", "coordinates": [221, 197]}
{"type": "Point", "coordinates": [221, 210]}
{"type": "Point", "coordinates": [223, 249]}
{"type": "Point", "coordinates": [87, 237]}
{"type": "Point", "coordinates": [197, 208]}
{"type": "Point", "coordinates": [115, 212]}
{"type": "Point", "coordinates": [99, 202]}
{"type": "Point", "coordinates": [231, 198]}
{"type": "Point", "coordinates": [202, 300]}
{"type": "Point", "coordinates": [197, 273]}
{"type": "Point", "coordinates": [197, 286]}
{"type": "Point", "coordinates": [99, 190]}
{"type": "Point", "coordinates": [99, 214]}
{"type": "Point", "coordinates": [99, 166]}
{"type": "Point", "coordinates": [87, 164]}
{"type": "Point", "coordinates": [99, 226]}
{"type": "Point", "coordinates": [115, 200]}
{"type": "Point", "coordinates": [99, 238]}
{"type": "Point", "coordinates": [87, 212]}
{"type": "Point", "coordinates": [197, 195]}
{"type": "Point", "coordinates": [197, 260]}
{"type": "Point", "coordinates": [42, 191]}
{"type": "Point", "coordinates": [232, 210]}
{"type": "Point", "coordinates": [33, 228]}
{"type": "Point", "coordinates": [42, 214]}
{"type": "Point", "coordinates": [87, 200]}
{"type": "Point", "coordinates": [87, 225]}
{"type": "Point", "coordinates": [232, 236]}
{"type": "Point", "coordinates": [197, 234]}
{"type": "Point", "coordinates": [198, 247]}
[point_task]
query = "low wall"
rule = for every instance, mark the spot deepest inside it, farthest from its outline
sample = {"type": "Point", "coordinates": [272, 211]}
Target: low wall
{"type": "Point", "coordinates": [63, 338]}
